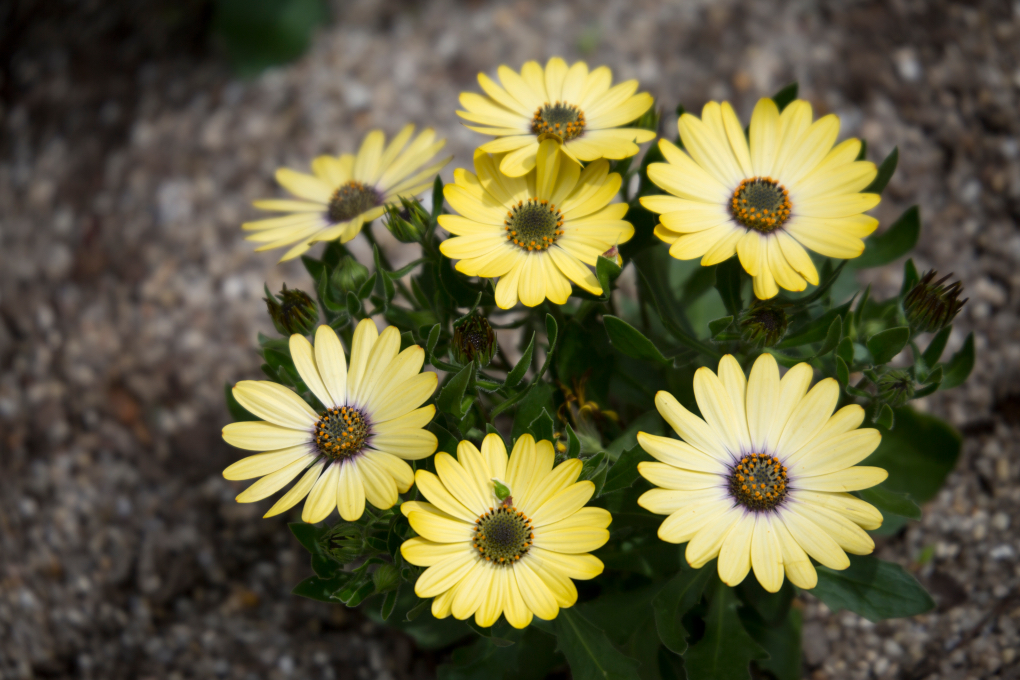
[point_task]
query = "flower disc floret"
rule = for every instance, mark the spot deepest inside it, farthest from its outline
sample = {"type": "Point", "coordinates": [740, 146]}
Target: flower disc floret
{"type": "Point", "coordinates": [561, 120]}
{"type": "Point", "coordinates": [534, 224]}
{"type": "Point", "coordinates": [341, 432]}
{"type": "Point", "coordinates": [760, 203]}
{"type": "Point", "coordinates": [350, 200]}
{"type": "Point", "coordinates": [758, 482]}
{"type": "Point", "coordinates": [503, 534]}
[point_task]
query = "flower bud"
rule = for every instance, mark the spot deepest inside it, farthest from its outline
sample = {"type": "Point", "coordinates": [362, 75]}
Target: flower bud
{"type": "Point", "coordinates": [349, 274]}
{"type": "Point", "coordinates": [401, 226]}
{"type": "Point", "coordinates": [385, 577]}
{"type": "Point", "coordinates": [763, 324]}
{"type": "Point", "coordinates": [474, 339]}
{"type": "Point", "coordinates": [613, 254]}
{"type": "Point", "coordinates": [294, 312]}
{"type": "Point", "coordinates": [930, 307]}
{"type": "Point", "coordinates": [895, 388]}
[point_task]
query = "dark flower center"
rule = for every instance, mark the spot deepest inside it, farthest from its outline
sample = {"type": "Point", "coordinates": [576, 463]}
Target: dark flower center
{"type": "Point", "coordinates": [560, 120]}
{"type": "Point", "coordinates": [503, 535]}
{"type": "Point", "coordinates": [350, 200]}
{"type": "Point", "coordinates": [533, 224]}
{"type": "Point", "coordinates": [760, 203]}
{"type": "Point", "coordinates": [341, 432]}
{"type": "Point", "coordinates": [758, 482]}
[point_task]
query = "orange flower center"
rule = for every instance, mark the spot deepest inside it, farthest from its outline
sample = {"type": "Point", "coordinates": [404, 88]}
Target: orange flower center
{"type": "Point", "coordinates": [341, 432]}
{"type": "Point", "coordinates": [533, 224]}
{"type": "Point", "coordinates": [758, 482]}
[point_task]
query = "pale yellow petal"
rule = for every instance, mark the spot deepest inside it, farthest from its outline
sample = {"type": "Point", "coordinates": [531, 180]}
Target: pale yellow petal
{"type": "Point", "coordinates": [256, 435]}
{"type": "Point", "coordinates": [350, 493]}
{"type": "Point", "coordinates": [323, 496]}
{"type": "Point", "coordinates": [297, 492]}
{"type": "Point", "coordinates": [275, 403]}
{"type": "Point", "coordinates": [265, 463]}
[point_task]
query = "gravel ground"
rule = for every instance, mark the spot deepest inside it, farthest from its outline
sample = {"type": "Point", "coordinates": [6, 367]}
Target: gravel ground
{"type": "Point", "coordinates": [128, 298]}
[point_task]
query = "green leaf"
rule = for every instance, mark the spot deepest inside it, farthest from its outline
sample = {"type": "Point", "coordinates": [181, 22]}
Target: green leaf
{"type": "Point", "coordinates": [887, 344]}
{"type": "Point", "coordinates": [237, 412]}
{"type": "Point", "coordinates": [542, 427]}
{"type": "Point", "coordinates": [451, 397]}
{"type": "Point", "coordinates": [719, 325]}
{"type": "Point", "coordinates": [389, 602]}
{"type": "Point", "coordinates": [918, 454]}
{"type": "Point", "coordinates": [937, 345]}
{"type": "Point", "coordinates": [816, 330]}
{"type": "Point", "coordinates": [592, 465]}
{"type": "Point", "coordinates": [625, 470]}
{"type": "Point", "coordinates": [726, 651]}
{"type": "Point", "coordinates": [588, 651]}
{"type": "Point", "coordinates": [536, 398]}
{"type": "Point", "coordinates": [573, 443]}
{"type": "Point", "coordinates": [894, 243]}
{"type": "Point", "coordinates": [417, 610]}
{"type": "Point", "coordinates": [315, 588]}
{"type": "Point", "coordinates": [842, 372]}
{"type": "Point", "coordinates": [828, 281]}
{"type": "Point", "coordinates": [353, 303]}
{"type": "Point", "coordinates": [675, 599]}
{"type": "Point", "coordinates": [910, 277]}
{"type": "Point", "coordinates": [447, 442]}
{"type": "Point", "coordinates": [631, 341]}
{"type": "Point", "coordinates": [845, 350]}
{"type": "Point", "coordinates": [727, 282]}
{"type": "Point", "coordinates": [315, 268]}
{"type": "Point", "coordinates": [389, 290]}
{"type": "Point", "coordinates": [891, 502]}
{"type": "Point", "coordinates": [606, 271]}
{"type": "Point", "coordinates": [437, 197]}
{"type": "Point", "coordinates": [785, 96]}
{"type": "Point", "coordinates": [309, 536]}
{"type": "Point", "coordinates": [782, 641]}
{"type": "Point", "coordinates": [885, 417]}
{"type": "Point", "coordinates": [517, 373]}
{"type": "Point", "coordinates": [433, 338]}
{"type": "Point", "coordinates": [958, 367]}
{"type": "Point", "coordinates": [875, 589]}
{"type": "Point", "coordinates": [863, 153]}
{"type": "Point", "coordinates": [885, 173]}
{"type": "Point", "coordinates": [832, 337]}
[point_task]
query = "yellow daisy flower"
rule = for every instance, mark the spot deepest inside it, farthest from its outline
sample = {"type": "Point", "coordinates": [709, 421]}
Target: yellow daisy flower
{"type": "Point", "coordinates": [576, 108]}
{"type": "Point", "coordinates": [346, 192]}
{"type": "Point", "coordinates": [765, 200]}
{"type": "Point", "coordinates": [516, 556]}
{"type": "Point", "coordinates": [762, 481]}
{"type": "Point", "coordinates": [354, 450]}
{"type": "Point", "coordinates": [537, 232]}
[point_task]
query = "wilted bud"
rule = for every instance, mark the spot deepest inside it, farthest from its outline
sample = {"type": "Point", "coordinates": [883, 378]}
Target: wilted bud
{"type": "Point", "coordinates": [473, 338]}
{"type": "Point", "coordinates": [401, 225]}
{"type": "Point", "coordinates": [348, 275]}
{"type": "Point", "coordinates": [932, 306]}
{"type": "Point", "coordinates": [613, 255]}
{"type": "Point", "coordinates": [763, 324]}
{"type": "Point", "coordinates": [895, 388]}
{"type": "Point", "coordinates": [293, 312]}
{"type": "Point", "coordinates": [385, 577]}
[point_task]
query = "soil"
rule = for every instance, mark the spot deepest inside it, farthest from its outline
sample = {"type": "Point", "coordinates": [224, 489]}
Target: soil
{"type": "Point", "coordinates": [129, 155]}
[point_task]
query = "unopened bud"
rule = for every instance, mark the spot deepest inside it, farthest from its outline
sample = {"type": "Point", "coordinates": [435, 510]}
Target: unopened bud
{"type": "Point", "coordinates": [930, 306]}
{"type": "Point", "coordinates": [613, 255]}
{"type": "Point", "coordinates": [293, 312]}
{"type": "Point", "coordinates": [895, 388]}
{"type": "Point", "coordinates": [348, 275]}
{"type": "Point", "coordinates": [501, 490]}
{"type": "Point", "coordinates": [763, 324]}
{"type": "Point", "coordinates": [385, 577]}
{"type": "Point", "coordinates": [399, 224]}
{"type": "Point", "coordinates": [474, 339]}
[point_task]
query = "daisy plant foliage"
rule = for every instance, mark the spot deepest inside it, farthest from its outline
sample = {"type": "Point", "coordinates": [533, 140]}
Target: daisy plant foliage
{"type": "Point", "coordinates": [616, 413]}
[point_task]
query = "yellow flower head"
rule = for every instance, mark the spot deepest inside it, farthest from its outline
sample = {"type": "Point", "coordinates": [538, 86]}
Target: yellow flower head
{"type": "Point", "coordinates": [762, 481]}
{"type": "Point", "coordinates": [356, 447]}
{"type": "Point", "coordinates": [765, 199]}
{"type": "Point", "coordinates": [348, 191]}
{"type": "Point", "coordinates": [516, 556]}
{"type": "Point", "coordinates": [536, 232]}
{"type": "Point", "coordinates": [568, 104]}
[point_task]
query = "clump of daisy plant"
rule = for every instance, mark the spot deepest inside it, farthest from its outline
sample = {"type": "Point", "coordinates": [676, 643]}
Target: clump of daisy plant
{"type": "Point", "coordinates": [692, 445]}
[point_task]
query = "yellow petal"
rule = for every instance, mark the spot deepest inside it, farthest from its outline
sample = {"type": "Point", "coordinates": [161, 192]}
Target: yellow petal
{"type": "Point", "coordinates": [422, 552]}
{"type": "Point", "coordinates": [847, 535]}
{"type": "Point", "coordinates": [304, 186]}
{"type": "Point", "coordinates": [365, 335]}
{"type": "Point", "coordinates": [813, 539]}
{"type": "Point", "coordinates": [514, 609]}
{"type": "Point", "coordinates": [471, 590]}
{"type": "Point", "coordinates": [494, 452]}
{"type": "Point", "coordinates": [792, 388]}
{"type": "Point", "coordinates": [576, 540]}
{"type": "Point", "coordinates": [668, 501]}
{"type": "Point", "coordinates": [275, 481]}
{"type": "Point", "coordinates": [670, 477]}
{"type": "Point", "coordinates": [536, 595]}
{"type": "Point", "coordinates": [275, 403]}
{"type": "Point", "coordinates": [438, 528]}
{"type": "Point", "coordinates": [393, 466]}
{"type": "Point", "coordinates": [461, 484]}
{"type": "Point", "coordinates": [850, 479]}
{"type": "Point", "coordinates": [680, 454]}
{"type": "Point", "coordinates": [717, 409]}
{"type": "Point", "coordinates": [492, 598]}
{"type": "Point", "coordinates": [380, 487]}
{"type": "Point", "coordinates": [705, 545]}
{"type": "Point", "coordinates": [684, 523]}
{"type": "Point", "coordinates": [322, 497]}
{"type": "Point", "coordinates": [441, 577]}
{"type": "Point", "coordinates": [764, 136]}
{"type": "Point", "coordinates": [408, 396]}
{"type": "Point", "coordinates": [796, 563]}
{"type": "Point", "coordinates": [350, 493]}
{"type": "Point", "coordinates": [434, 490]}
{"type": "Point", "coordinates": [304, 361]}
{"type": "Point", "coordinates": [265, 463]}
{"type": "Point", "coordinates": [735, 552]}
{"type": "Point", "coordinates": [297, 492]}
{"type": "Point", "coordinates": [260, 436]}
{"type": "Point", "coordinates": [767, 555]}
{"type": "Point", "coordinates": [580, 567]}
{"type": "Point", "coordinates": [808, 417]}
{"type": "Point", "coordinates": [693, 429]}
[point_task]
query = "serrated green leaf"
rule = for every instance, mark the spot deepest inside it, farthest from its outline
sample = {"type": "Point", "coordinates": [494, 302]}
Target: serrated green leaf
{"type": "Point", "coordinates": [894, 243]}
{"type": "Point", "coordinates": [631, 341]}
{"type": "Point", "coordinates": [888, 343]}
{"type": "Point", "coordinates": [875, 589]}
{"type": "Point", "coordinates": [675, 599]}
{"type": "Point", "coordinates": [624, 471]}
{"type": "Point", "coordinates": [885, 173]}
{"type": "Point", "coordinates": [542, 427]}
{"type": "Point", "coordinates": [521, 368]}
{"type": "Point", "coordinates": [726, 650]}
{"type": "Point", "coordinates": [573, 443]}
{"type": "Point", "coordinates": [959, 366]}
{"type": "Point", "coordinates": [719, 325]}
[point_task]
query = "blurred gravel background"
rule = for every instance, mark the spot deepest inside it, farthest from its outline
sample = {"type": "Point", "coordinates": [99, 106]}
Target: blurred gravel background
{"type": "Point", "coordinates": [129, 155]}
